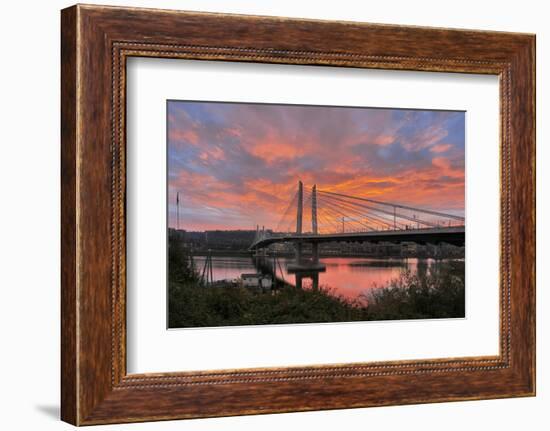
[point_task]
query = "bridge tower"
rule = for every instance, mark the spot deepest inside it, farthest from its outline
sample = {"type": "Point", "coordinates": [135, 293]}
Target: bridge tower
{"type": "Point", "coordinates": [299, 220]}
{"type": "Point", "coordinates": [314, 209]}
{"type": "Point", "coordinates": [314, 228]}
{"type": "Point", "coordinates": [300, 208]}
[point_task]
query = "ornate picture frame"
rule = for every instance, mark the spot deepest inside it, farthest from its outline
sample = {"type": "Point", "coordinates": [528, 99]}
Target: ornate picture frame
{"type": "Point", "coordinates": [96, 41]}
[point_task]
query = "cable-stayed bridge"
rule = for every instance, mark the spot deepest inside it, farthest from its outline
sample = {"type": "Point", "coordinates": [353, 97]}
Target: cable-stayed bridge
{"type": "Point", "coordinates": [318, 216]}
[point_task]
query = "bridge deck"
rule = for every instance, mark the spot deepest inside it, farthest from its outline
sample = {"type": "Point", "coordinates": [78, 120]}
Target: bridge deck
{"type": "Point", "coordinates": [452, 235]}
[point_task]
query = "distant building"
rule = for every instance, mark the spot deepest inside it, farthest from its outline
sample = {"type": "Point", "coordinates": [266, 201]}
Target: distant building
{"type": "Point", "coordinates": [251, 280]}
{"type": "Point", "coordinates": [257, 280]}
{"type": "Point", "coordinates": [409, 248]}
{"type": "Point", "coordinates": [266, 282]}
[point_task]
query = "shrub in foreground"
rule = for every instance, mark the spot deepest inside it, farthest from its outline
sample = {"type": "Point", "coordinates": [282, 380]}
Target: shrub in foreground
{"type": "Point", "coordinates": [433, 293]}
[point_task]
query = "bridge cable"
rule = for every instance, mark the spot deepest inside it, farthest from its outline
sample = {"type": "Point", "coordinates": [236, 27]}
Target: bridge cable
{"type": "Point", "coordinates": [375, 218]}
{"type": "Point", "coordinates": [413, 219]}
{"type": "Point", "coordinates": [379, 219]}
{"type": "Point", "coordinates": [344, 215]}
{"type": "Point", "coordinates": [292, 204]}
{"type": "Point", "coordinates": [431, 212]}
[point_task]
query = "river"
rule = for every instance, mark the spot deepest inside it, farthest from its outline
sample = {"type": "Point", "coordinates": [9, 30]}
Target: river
{"type": "Point", "coordinates": [347, 276]}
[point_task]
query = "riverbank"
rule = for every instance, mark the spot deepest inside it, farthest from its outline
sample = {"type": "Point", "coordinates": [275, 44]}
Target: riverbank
{"type": "Point", "coordinates": [322, 254]}
{"type": "Point", "coordinates": [434, 294]}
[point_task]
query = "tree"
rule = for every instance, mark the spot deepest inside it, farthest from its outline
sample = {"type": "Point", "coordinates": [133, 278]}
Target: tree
{"type": "Point", "coordinates": [180, 263]}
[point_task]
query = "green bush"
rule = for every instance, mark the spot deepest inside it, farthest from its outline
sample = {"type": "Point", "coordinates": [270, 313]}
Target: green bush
{"type": "Point", "coordinates": [431, 293]}
{"type": "Point", "coordinates": [191, 305]}
{"type": "Point", "coordinates": [436, 293]}
{"type": "Point", "coordinates": [180, 262]}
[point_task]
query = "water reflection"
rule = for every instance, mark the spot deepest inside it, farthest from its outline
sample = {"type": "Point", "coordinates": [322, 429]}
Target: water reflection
{"type": "Point", "coordinates": [347, 276]}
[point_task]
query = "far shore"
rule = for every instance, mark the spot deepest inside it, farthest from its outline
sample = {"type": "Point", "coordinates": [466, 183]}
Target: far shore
{"type": "Point", "coordinates": [246, 253]}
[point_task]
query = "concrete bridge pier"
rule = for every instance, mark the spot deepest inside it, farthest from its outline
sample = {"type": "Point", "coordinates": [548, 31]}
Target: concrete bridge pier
{"type": "Point", "coordinates": [298, 248]}
{"type": "Point", "coordinates": [314, 279]}
{"type": "Point", "coordinates": [299, 279]}
{"type": "Point", "coordinates": [306, 264]}
{"type": "Point", "coordinates": [315, 252]}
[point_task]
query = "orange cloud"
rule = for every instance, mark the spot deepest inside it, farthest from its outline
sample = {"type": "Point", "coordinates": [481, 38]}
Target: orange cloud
{"type": "Point", "coordinates": [273, 149]}
{"type": "Point", "coordinates": [442, 163]}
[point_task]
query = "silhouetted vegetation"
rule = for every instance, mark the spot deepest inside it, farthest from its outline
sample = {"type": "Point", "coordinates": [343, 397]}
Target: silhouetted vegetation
{"type": "Point", "coordinates": [226, 306]}
{"type": "Point", "coordinates": [180, 262]}
{"type": "Point", "coordinates": [436, 292]}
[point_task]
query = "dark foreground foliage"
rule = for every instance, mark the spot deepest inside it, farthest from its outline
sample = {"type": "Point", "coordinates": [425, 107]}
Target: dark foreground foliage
{"type": "Point", "coordinates": [226, 306]}
{"type": "Point", "coordinates": [437, 294]}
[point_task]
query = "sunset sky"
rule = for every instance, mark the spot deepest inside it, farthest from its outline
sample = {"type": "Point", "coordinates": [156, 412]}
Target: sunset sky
{"type": "Point", "coordinates": [237, 165]}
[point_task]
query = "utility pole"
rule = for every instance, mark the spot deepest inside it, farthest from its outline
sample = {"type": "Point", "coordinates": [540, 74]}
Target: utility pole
{"type": "Point", "coordinates": [178, 211]}
{"type": "Point", "coordinates": [207, 276]}
{"type": "Point", "coordinates": [210, 263]}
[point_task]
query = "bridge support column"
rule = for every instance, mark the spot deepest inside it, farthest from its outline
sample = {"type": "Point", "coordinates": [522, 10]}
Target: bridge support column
{"type": "Point", "coordinates": [315, 252]}
{"type": "Point", "coordinates": [315, 281]}
{"type": "Point", "coordinates": [298, 252]}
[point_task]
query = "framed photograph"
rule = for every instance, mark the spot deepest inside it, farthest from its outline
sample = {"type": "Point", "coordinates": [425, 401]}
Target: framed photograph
{"type": "Point", "coordinates": [255, 209]}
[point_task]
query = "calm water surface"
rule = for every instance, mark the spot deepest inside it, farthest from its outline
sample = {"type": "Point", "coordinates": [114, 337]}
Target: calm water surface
{"type": "Point", "coordinates": [348, 276]}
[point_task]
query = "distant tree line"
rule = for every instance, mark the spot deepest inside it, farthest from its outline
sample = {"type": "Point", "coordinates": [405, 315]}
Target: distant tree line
{"type": "Point", "coordinates": [219, 239]}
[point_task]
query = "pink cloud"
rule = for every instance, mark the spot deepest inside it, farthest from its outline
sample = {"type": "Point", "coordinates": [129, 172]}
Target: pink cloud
{"type": "Point", "coordinates": [440, 148]}
{"type": "Point", "coordinates": [430, 136]}
{"type": "Point", "coordinates": [181, 136]}
{"type": "Point", "coordinates": [383, 140]}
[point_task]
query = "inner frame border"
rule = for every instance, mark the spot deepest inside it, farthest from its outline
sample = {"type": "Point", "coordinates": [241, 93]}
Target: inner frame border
{"type": "Point", "coordinates": [122, 50]}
